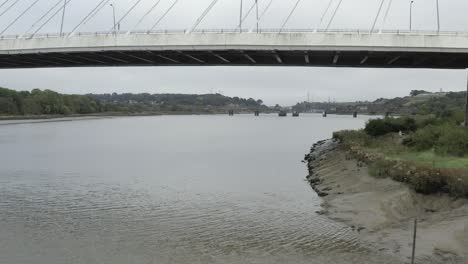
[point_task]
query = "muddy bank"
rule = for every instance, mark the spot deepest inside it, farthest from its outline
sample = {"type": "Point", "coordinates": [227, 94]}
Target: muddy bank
{"type": "Point", "coordinates": [383, 210]}
{"type": "Point", "coordinates": [48, 120]}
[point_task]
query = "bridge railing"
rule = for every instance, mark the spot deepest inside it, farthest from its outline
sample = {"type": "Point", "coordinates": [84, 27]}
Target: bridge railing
{"type": "Point", "coordinates": [233, 31]}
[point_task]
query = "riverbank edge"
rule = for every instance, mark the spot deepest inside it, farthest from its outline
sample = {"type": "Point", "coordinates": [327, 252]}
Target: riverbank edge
{"type": "Point", "coordinates": [316, 153]}
{"type": "Point", "coordinates": [391, 237]}
{"type": "Point", "coordinates": [98, 115]}
{"type": "Point", "coordinates": [77, 117]}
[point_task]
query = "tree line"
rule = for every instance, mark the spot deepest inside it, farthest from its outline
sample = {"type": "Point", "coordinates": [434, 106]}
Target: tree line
{"type": "Point", "coordinates": [45, 102]}
{"type": "Point", "coordinates": [419, 102]}
{"type": "Point", "coordinates": [48, 102]}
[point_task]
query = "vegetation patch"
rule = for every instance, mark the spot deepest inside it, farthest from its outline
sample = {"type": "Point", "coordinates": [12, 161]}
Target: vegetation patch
{"type": "Point", "coordinates": [49, 103]}
{"type": "Point", "coordinates": [429, 155]}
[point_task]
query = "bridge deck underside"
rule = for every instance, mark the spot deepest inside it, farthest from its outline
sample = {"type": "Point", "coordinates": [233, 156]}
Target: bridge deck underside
{"type": "Point", "coordinates": [371, 59]}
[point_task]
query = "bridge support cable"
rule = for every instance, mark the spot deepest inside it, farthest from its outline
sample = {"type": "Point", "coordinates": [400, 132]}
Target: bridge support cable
{"type": "Point", "coordinates": [386, 15]}
{"type": "Point", "coordinates": [126, 14]}
{"type": "Point", "coordinates": [390, 62]}
{"type": "Point", "coordinates": [43, 16]}
{"type": "Point", "coordinates": [248, 57]}
{"type": "Point", "coordinates": [324, 14]}
{"type": "Point", "coordinates": [102, 2]}
{"type": "Point", "coordinates": [164, 15]}
{"type": "Point", "coordinates": [246, 15]}
{"type": "Point", "coordinates": [9, 7]}
{"type": "Point", "coordinates": [256, 11]}
{"type": "Point", "coordinates": [278, 58]}
{"type": "Point", "coordinates": [364, 60]}
{"type": "Point", "coordinates": [203, 15]}
{"type": "Point", "coordinates": [191, 57]}
{"type": "Point", "coordinates": [289, 16]}
{"type": "Point", "coordinates": [95, 13]}
{"type": "Point", "coordinates": [4, 3]}
{"type": "Point", "coordinates": [63, 16]}
{"type": "Point", "coordinates": [336, 58]}
{"type": "Point", "coordinates": [220, 57]}
{"type": "Point", "coordinates": [334, 14]}
{"type": "Point", "coordinates": [144, 16]}
{"type": "Point", "coordinates": [266, 9]}
{"type": "Point", "coordinates": [263, 13]}
{"type": "Point", "coordinates": [377, 16]}
{"type": "Point", "coordinates": [241, 10]}
{"type": "Point", "coordinates": [438, 16]}
{"type": "Point", "coordinates": [48, 20]}
{"type": "Point", "coordinates": [306, 57]}
{"type": "Point", "coordinates": [18, 17]}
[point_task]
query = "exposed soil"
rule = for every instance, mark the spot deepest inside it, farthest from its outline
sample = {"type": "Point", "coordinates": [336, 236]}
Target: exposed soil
{"type": "Point", "coordinates": [383, 210]}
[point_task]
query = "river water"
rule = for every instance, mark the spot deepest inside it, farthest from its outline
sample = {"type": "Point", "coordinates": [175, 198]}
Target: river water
{"type": "Point", "coordinates": [169, 189]}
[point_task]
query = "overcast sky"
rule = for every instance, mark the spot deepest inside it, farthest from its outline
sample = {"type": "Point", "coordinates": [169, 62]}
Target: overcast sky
{"type": "Point", "coordinates": [272, 84]}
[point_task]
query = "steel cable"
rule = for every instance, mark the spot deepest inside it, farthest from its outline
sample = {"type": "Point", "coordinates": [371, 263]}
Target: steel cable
{"type": "Point", "coordinates": [43, 16]}
{"type": "Point", "coordinates": [247, 14]}
{"type": "Point", "coordinates": [95, 13]}
{"type": "Point", "coordinates": [324, 14]}
{"type": "Point", "coordinates": [126, 14]}
{"type": "Point", "coordinates": [334, 14]}
{"type": "Point", "coordinates": [203, 15]}
{"type": "Point", "coordinates": [289, 16]}
{"type": "Point", "coordinates": [144, 16]}
{"type": "Point", "coordinates": [386, 14]}
{"type": "Point", "coordinates": [164, 15]}
{"type": "Point", "coordinates": [377, 16]}
{"type": "Point", "coordinates": [8, 8]}
{"type": "Point", "coordinates": [6, 1]}
{"type": "Point", "coordinates": [265, 10]}
{"type": "Point", "coordinates": [48, 20]}
{"type": "Point", "coordinates": [19, 17]}
{"type": "Point", "coordinates": [87, 16]}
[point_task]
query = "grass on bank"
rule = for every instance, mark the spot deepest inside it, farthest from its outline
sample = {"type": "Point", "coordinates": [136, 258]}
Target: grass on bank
{"type": "Point", "coordinates": [431, 156]}
{"type": "Point", "coordinates": [431, 159]}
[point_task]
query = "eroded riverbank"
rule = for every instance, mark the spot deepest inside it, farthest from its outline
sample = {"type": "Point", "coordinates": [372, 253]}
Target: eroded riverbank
{"type": "Point", "coordinates": [383, 210]}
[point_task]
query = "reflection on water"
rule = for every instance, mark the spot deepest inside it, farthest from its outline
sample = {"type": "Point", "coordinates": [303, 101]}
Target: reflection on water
{"type": "Point", "coordinates": [178, 189]}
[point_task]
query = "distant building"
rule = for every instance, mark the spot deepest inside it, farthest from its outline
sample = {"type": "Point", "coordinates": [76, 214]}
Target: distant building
{"type": "Point", "coordinates": [427, 95]}
{"type": "Point", "coordinates": [363, 108]}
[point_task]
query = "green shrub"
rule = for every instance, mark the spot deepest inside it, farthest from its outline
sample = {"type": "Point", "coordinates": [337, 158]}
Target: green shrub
{"type": "Point", "coordinates": [424, 138]}
{"type": "Point", "coordinates": [405, 124]}
{"type": "Point", "coordinates": [453, 141]}
{"type": "Point", "coordinates": [351, 138]}
{"type": "Point", "coordinates": [381, 168]}
{"type": "Point", "coordinates": [380, 127]}
{"type": "Point", "coordinates": [457, 181]}
{"type": "Point", "coordinates": [427, 181]}
{"type": "Point", "coordinates": [422, 122]}
{"type": "Point", "coordinates": [377, 127]}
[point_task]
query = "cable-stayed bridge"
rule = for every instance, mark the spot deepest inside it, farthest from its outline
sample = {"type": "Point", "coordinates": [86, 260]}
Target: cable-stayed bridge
{"type": "Point", "coordinates": [242, 45]}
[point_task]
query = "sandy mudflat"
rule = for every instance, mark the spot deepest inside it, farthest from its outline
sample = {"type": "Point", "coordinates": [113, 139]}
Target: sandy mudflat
{"type": "Point", "coordinates": [49, 120]}
{"type": "Point", "coordinates": [383, 210]}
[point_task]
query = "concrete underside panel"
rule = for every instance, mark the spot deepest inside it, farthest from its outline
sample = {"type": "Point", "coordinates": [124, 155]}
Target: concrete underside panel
{"type": "Point", "coordinates": [237, 58]}
{"type": "Point", "coordinates": [294, 49]}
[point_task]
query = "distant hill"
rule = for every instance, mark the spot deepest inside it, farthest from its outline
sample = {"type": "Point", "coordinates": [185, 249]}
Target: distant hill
{"type": "Point", "coordinates": [175, 102]}
{"type": "Point", "coordinates": [47, 102]}
{"type": "Point", "coordinates": [417, 103]}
